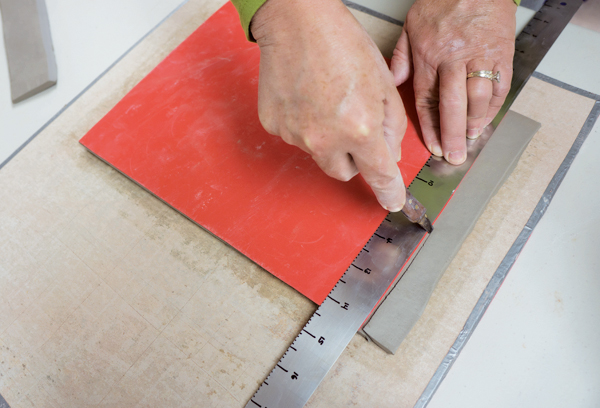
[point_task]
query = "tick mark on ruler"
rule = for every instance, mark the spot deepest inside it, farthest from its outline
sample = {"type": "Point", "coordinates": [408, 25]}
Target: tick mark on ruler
{"type": "Point", "coordinates": [333, 299]}
{"type": "Point", "coordinates": [282, 368]}
{"type": "Point", "coordinates": [293, 348]}
{"type": "Point", "coordinates": [310, 334]}
{"type": "Point", "coordinates": [360, 269]}
{"type": "Point", "coordinates": [379, 236]}
{"type": "Point", "coordinates": [343, 281]}
{"type": "Point", "coordinates": [255, 403]}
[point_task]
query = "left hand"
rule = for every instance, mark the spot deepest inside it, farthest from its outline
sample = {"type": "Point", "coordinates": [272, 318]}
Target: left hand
{"type": "Point", "coordinates": [441, 42]}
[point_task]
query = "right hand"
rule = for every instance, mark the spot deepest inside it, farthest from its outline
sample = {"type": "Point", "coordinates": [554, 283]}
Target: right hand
{"type": "Point", "coordinates": [325, 88]}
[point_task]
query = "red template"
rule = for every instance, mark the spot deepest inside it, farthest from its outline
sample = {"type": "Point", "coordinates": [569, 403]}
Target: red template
{"type": "Point", "coordinates": [189, 133]}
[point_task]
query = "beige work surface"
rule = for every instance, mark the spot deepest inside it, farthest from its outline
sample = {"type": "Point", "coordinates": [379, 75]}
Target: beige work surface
{"type": "Point", "coordinates": [110, 298]}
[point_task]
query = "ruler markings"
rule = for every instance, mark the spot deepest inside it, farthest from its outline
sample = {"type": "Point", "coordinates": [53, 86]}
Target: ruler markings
{"type": "Point", "coordinates": [310, 334]}
{"type": "Point", "coordinates": [333, 298]}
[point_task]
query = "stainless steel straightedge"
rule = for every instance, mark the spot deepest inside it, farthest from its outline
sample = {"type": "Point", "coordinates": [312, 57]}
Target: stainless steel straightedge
{"type": "Point", "coordinates": [336, 321]}
{"type": "Point", "coordinates": [314, 351]}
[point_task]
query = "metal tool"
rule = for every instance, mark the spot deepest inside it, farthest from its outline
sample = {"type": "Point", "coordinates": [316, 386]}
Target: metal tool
{"type": "Point", "coordinates": [322, 340]}
{"type": "Point", "coordinates": [416, 212]}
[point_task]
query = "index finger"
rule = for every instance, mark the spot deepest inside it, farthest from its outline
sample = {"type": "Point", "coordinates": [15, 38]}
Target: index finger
{"type": "Point", "coordinates": [453, 112]}
{"type": "Point", "coordinates": [378, 167]}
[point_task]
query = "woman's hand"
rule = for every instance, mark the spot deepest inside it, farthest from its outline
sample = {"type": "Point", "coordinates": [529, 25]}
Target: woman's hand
{"type": "Point", "coordinates": [441, 42]}
{"type": "Point", "coordinates": [325, 88]}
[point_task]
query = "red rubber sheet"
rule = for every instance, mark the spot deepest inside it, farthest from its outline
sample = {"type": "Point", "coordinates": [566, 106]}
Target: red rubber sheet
{"type": "Point", "coordinates": [189, 133]}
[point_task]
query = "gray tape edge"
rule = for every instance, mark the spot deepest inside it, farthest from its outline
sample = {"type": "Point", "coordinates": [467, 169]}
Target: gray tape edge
{"type": "Point", "coordinates": [64, 108]}
{"type": "Point", "coordinates": [510, 258]}
{"type": "Point", "coordinates": [565, 86]}
{"type": "Point", "coordinates": [373, 13]}
{"type": "Point", "coordinates": [3, 403]}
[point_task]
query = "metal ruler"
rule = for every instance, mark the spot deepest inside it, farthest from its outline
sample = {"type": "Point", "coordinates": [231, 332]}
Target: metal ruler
{"type": "Point", "coordinates": [323, 339]}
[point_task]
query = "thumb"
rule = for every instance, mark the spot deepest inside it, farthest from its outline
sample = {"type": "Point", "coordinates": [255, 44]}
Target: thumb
{"type": "Point", "coordinates": [402, 59]}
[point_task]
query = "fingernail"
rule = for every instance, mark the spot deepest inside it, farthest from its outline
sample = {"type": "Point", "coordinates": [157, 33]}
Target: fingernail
{"type": "Point", "coordinates": [436, 149]}
{"type": "Point", "coordinates": [474, 133]}
{"type": "Point", "coordinates": [457, 157]}
{"type": "Point", "coordinates": [393, 200]}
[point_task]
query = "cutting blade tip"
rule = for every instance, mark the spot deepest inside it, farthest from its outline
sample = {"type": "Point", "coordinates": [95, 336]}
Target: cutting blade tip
{"type": "Point", "coordinates": [426, 224]}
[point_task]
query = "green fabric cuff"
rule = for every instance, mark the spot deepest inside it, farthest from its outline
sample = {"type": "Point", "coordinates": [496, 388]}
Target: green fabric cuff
{"type": "Point", "coordinates": [246, 9]}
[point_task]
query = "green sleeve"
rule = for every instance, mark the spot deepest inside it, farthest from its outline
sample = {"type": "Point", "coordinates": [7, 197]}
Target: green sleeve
{"type": "Point", "coordinates": [246, 10]}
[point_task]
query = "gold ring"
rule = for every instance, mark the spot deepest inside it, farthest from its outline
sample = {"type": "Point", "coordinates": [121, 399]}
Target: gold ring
{"type": "Point", "coordinates": [485, 74]}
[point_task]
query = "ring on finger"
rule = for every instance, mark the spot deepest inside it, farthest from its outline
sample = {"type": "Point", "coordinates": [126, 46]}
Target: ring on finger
{"type": "Point", "coordinates": [485, 74]}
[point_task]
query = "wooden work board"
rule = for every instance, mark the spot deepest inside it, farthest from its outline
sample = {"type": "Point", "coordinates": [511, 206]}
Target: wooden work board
{"type": "Point", "coordinates": [111, 298]}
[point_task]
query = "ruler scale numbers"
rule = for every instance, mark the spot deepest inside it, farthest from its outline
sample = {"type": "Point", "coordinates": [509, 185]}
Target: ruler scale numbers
{"type": "Point", "coordinates": [325, 336]}
{"type": "Point", "coordinates": [342, 313]}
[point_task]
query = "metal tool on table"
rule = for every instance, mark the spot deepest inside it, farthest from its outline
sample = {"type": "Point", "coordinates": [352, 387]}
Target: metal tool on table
{"type": "Point", "coordinates": [327, 333]}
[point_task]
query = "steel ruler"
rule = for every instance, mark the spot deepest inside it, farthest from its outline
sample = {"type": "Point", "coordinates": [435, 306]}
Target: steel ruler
{"type": "Point", "coordinates": [327, 333]}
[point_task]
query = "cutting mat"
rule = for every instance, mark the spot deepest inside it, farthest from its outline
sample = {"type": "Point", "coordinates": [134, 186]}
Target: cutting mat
{"type": "Point", "coordinates": [189, 132]}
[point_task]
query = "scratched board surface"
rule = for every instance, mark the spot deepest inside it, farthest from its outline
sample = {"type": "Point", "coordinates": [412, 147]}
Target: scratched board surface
{"type": "Point", "coordinates": [189, 133]}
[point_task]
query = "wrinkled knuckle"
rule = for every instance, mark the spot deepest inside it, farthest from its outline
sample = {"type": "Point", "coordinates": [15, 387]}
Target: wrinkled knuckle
{"type": "Point", "coordinates": [480, 93]}
{"type": "Point", "coordinates": [427, 102]}
{"type": "Point", "coordinates": [413, 14]}
{"type": "Point", "coordinates": [451, 103]}
{"type": "Point", "coordinates": [403, 125]}
{"type": "Point", "coordinates": [361, 131]}
{"type": "Point", "coordinates": [316, 145]}
{"type": "Point", "coordinates": [503, 91]}
{"type": "Point", "coordinates": [398, 55]}
{"type": "Point", "coordinates": [382, 181]}
{"type": "Point", "coordinates": [340, 174]}
{"type": "Point", "coordinates": [473, 121]}
{"type": "Point", "coordinates": [287, 137]}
